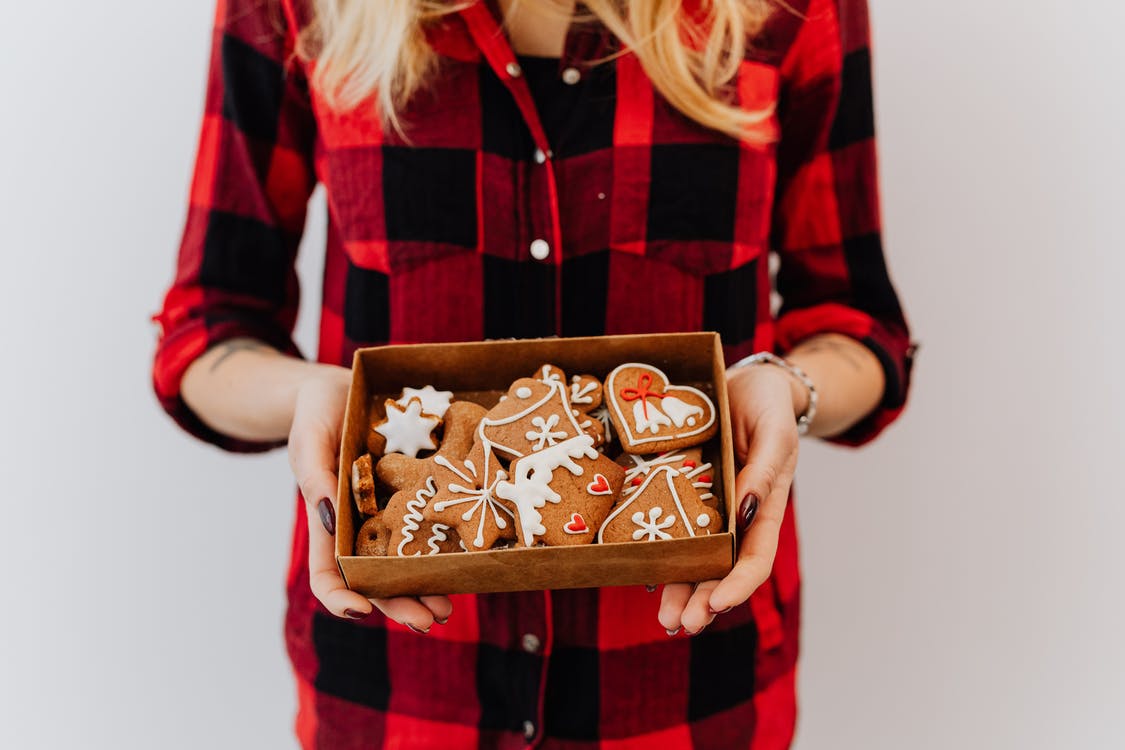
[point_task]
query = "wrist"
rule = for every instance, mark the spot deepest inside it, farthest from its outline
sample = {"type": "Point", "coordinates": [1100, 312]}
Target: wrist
{"type": "Point", "coordinates": [802, 392]}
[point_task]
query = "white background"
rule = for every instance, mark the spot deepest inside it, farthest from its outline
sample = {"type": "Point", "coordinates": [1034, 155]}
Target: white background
{"type": "Point", "coordinates": [963, 574]}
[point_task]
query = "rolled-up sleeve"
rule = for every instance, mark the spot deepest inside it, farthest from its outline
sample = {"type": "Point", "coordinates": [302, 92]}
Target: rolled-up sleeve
{"type": "Point", "coordinates": [832, 276]}
{"type": "Point", "coordinates": [235, 274]}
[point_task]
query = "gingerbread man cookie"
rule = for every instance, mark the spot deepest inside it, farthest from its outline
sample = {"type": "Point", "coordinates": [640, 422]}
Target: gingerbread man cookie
{"type": "Point", "coordinates": [651, 416]}
{"type": "Point", "coordinates": [665, 505]}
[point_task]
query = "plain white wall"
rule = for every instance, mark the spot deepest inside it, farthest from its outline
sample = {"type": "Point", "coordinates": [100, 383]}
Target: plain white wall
{"type": "Point", "coordinates": [962, 574]}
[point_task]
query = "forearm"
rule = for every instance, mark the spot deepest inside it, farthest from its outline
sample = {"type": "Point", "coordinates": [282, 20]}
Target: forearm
{"type": "Point", "coordinates": [848, 377]}
{"type": "Point", "coordinates": [245, 389]}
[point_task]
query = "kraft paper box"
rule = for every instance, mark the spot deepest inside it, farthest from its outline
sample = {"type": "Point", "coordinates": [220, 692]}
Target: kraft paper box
{"type": "Point", "coordinates": [481, 372]}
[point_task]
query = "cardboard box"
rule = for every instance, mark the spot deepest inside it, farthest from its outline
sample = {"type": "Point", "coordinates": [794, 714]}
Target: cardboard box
{"type": "Point", "coordinates": [481, 372]}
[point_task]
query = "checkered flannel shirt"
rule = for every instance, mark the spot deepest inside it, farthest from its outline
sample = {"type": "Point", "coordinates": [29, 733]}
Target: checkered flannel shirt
{"type": "Point", "coordinates": [631, 218]}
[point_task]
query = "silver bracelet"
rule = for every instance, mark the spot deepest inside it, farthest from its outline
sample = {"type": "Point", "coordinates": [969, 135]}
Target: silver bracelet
{"type": "Point", "coordinates": [804, 421]}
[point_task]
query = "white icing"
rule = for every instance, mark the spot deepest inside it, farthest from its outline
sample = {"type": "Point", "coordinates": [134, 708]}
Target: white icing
{"type": "Point", "coordinates": [530, 489]}
{"type": "Point", "coordinates": [406, 430]}
{"type": "Point", "coordinates": [667, 473]}
{"type": "Point", "coordinates": [648, 417]}
{"type": "Point", "coordinates": [602, 415]}
{"type": "Point", "coordinates": [702, 520]}
{"type": "Point", "coordinates": [437, 537]}
{"type": "Point", "coordinates": [544, 435]}
{"type": "Point", "coordinates": [523, 392]}
{"type": "Point", "coordinates": [680, 412]}
{"type": "Point", "coordinates": [412, 519]}
{"type": "Point", "coordinates": [546, 375]}
{"type": "Point", "coordinates": [433, 401]}
{"type": "Point", "coordinates": [579, 394]}
{"type": "Point", "coordinates": [642, 466]}
{"type": "Point", "coordinates": [483, 498]}
{"type": "Point", "coordinates": [632, 439]}
{"type": "Point", "coordinates": [652, 526]}
{"type": "Point", "coordinates": [556, 390]}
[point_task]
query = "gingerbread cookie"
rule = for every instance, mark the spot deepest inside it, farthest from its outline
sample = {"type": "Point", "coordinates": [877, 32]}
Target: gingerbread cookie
{"type": "Point", "coordinates": [585, 393]}
{"type": "Point", "coordinates": [434, 402]}
{"type": "Point", "coordinates": [651, 416]}
{"type": "Point", "coordinates": [465, 499]}
{"type": "Point", "coordinates": [665, 505]}
{"type": "Point", "coordinates": [363, 485]}
{"type": "Point", "coordinates": [371, 539]}
{"type": "Point", "coordinates": [407, 429]}
{"type": "Point", "coordinates": [535, 415]}
{"type": "Point", "coordinates": [688, 462]}
{"type": "Point", "coordinates": [408, 531]}
{"type": "Point", "coordinates": [562, 494]}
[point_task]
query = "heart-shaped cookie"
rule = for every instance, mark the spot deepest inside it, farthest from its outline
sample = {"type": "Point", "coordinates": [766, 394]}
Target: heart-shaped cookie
{"type": "Point", "coordinates": [650, 415]}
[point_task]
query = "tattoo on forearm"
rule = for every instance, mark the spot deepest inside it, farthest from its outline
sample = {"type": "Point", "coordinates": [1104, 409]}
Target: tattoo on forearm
{"type": "Point", "coordinates": [833, 345]}
{"type": "Point", "coordinates": [230, 347]}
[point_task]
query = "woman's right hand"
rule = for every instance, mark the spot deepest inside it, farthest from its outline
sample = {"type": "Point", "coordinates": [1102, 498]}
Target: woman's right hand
{"type": "Point", "coordinates": [314, 445]}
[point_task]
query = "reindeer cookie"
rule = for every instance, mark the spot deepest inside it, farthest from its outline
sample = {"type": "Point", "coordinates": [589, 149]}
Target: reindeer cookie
{"type": "Point", "coordinates": [650, 415]}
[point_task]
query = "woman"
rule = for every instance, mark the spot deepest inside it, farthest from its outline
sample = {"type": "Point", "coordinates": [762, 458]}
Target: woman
{"type": "Point", "coordinates": [494, 171]}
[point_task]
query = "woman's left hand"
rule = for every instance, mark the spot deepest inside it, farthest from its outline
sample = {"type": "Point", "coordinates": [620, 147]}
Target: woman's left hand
{"type": "Point", "coordinates": [763, 404]}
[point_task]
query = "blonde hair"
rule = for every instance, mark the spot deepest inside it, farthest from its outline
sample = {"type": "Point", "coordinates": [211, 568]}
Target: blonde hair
{"type": "Point", "coordinates": [376, 51]}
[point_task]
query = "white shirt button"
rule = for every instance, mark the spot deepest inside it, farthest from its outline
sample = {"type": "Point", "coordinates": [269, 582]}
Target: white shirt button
{"type": "Point", "coordinates": [528, 730]}
{"type": "Point", "coordinates": [530, 643]}
{"type": "Point", "coordinates": [513, 69]}
{"type": "Point", "coordinates": [540, 157]}
{"type": "Point", "coordinates": [571, 76]}
{"type": "Point", "coordinates": [540, 249]}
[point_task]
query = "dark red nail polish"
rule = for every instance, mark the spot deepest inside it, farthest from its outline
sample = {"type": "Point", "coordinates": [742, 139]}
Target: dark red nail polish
{"type": "Point", "coordinates": [417, 630]}
{"type": "Point", "coordinates": [722, 612]}
{"type": "Point", "coordinates": [355, 614]}
{"type": "Point", "coordinates": [650, 589]}
{"type": "Point", "coordinates": [441, 621]}
{"type": "Point", "coordinates": [671, 632]}
{"type": "Point", "coordinates": [327, 515]}
{"type": "Point", "coordinates": [747, 511]}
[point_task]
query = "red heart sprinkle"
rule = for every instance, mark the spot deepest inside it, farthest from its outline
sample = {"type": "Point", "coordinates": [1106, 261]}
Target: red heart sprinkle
{"type": "Point", "coordinates": [576, 525]}
{"type": "Point", "coordinates": [600, 485]}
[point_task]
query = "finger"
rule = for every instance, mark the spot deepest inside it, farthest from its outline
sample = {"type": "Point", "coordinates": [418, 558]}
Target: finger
{"type": "Point", "coordinates": [769, 465]}
{"type": "Point", "coordinates": [408, 611]}
{"type": "Point", "coordinates": [756, 553]}
{"type": "Point", "coordinates": [324, 577]}
{"type": "Point", "coordinates": [697, 613]}
{"type": "Point", "coordinates": [672, 603]}
{"type": "Point", "coordinates": [440, 606]}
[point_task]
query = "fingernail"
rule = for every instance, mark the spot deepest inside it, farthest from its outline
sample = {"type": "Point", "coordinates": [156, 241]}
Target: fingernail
{"type": "Point", "coordinates": [695, 632]}
{"type": "Point", "coordinates": [747, 511]}
{"type": "Point", "coordinates": [650, 589]}
{"type": "Point", "coordinates": [327, 515]}
{"type": "Point", "coordinates": [721, 612]}
{"type": "Point", "coordinates": [672, 632]}
{"type": "Point", "coordinates": [417, 630]}
{"type": "Point", "coordinates": [441, 620]}
{"type": "Point", "coordinates": [353, 614]}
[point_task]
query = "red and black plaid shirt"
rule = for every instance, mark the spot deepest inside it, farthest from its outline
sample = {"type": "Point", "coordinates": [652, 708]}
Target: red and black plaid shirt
{"type": "Point", "coordinates": [649, 223]}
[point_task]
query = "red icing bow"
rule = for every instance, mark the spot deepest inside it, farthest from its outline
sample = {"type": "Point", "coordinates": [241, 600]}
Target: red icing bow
{"type": "Point", "coordinates": [641, 392]}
